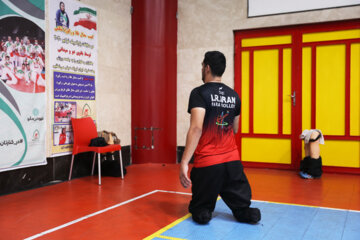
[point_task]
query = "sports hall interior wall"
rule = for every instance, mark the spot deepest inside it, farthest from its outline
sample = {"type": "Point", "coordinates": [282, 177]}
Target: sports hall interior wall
{"type": "Point", "coordinates": [113, 98]}
{"type": "Point", "coordinates": [198, 31]}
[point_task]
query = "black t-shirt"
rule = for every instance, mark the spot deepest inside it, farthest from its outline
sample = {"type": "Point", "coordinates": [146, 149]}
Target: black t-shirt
{"type": "Point", "coordinates": [222, 105]}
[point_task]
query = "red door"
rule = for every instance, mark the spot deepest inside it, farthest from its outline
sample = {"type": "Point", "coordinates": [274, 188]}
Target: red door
{"type": "Point", "coordinates": [266, 78]}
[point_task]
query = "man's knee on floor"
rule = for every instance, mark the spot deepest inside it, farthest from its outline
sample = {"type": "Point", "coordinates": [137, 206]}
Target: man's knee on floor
{"type": "Point", "coordinates": [247, 215]}
{"type": "Point", "coordinates": [202, 217]}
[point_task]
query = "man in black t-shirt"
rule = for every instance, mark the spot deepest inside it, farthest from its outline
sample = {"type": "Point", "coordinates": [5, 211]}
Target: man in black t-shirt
{"type": "Point", "coordinates": [215, 111]}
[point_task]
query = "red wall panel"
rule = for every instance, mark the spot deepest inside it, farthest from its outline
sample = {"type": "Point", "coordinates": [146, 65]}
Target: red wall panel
{"type": "Point", "coordinates": [153, 70]}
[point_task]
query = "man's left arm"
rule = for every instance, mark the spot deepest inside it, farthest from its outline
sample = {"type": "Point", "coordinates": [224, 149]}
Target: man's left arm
{"type": "Point", "coordinates": [236, 124]}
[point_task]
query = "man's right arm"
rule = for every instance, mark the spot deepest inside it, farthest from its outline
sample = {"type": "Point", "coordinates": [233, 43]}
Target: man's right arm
{"type": "Point", "coordinates": [192, 140]}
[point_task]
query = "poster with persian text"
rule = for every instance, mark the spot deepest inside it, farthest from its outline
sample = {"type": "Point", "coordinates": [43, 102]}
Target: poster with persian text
{"type": "Point", "coordinates": [22, 84]}
{"type": "Point", "coordinates": [73, 66]}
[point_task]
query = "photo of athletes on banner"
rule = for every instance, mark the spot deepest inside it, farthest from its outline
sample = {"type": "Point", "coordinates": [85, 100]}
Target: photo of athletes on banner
{"type": "Point", "coordinates": [73, 66]}
{"type": "Point", "coordinates": [22, 85]}
{"type": "Point", "coordinates": [64, 111]}
{"type": "Point", "coordinates": [63, 135]}
{"type": "Point", "coordinates": [22, 63]}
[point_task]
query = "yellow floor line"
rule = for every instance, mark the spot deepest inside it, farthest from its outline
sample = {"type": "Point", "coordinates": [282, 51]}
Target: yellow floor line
{"type": "Point", "coordinates": [170, 238]}
{"type": "Point", "coordinates": [157, 234]}
{"type": "Point", "coordinates": [285, 203]}
{"type": "Point", "coordinates": [293, 204]}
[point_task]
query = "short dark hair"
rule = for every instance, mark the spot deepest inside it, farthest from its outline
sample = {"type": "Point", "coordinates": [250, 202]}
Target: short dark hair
{"type": "Point", "coordinates": [217, 62]}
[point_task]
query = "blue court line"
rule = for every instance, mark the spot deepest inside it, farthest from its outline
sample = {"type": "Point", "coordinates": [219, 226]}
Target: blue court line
{"type": "Point", "coordinates": [279, 221]}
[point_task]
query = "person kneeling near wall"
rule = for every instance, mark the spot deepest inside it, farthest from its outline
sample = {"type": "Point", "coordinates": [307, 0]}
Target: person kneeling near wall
{"type": "Point", "coordinates": [211, 138]}
{"type": "Point", "coordinates": [311, 165]}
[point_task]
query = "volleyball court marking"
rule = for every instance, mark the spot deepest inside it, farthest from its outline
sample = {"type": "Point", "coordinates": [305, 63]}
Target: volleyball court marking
{"type": "Point", "coordinates": [170, 228]}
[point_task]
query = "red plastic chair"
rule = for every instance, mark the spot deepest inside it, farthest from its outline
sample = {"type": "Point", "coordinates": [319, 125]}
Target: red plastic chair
{"type": "Point", "coordinates": [84, 130]}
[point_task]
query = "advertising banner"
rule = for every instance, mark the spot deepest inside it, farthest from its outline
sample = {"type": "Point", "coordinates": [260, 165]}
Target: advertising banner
{"type": "Point", "coordinates": [73, 66]}
{"type": "Point", "coordinates": [22, 84]}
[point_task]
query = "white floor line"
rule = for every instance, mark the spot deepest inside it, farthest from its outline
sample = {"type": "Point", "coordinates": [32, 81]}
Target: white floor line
{"type": "Point", "coordinates": [184, 193]}
{"type": "Point", "coordinates": [89, 216]}
{"type": "Point", "coordinates": [340, 209]}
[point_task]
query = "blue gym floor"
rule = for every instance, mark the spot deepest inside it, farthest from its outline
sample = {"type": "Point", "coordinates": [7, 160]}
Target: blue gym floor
{"type": "Point", "coordinates": [279, 221]}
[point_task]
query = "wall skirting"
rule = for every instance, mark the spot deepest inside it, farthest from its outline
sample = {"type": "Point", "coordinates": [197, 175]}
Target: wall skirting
{"type": "Point", "coordinates": [56, 171]}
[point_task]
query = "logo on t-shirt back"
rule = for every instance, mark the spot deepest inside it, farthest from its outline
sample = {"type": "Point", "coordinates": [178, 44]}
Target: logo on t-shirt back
{"type": "Point", "coordinates": [220, 91]}
{"type": "Point", "coordinates": [220, 119]}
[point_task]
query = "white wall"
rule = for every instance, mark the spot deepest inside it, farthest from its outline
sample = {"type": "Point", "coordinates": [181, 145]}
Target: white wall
{"type": "Point", "coordinates": [267, 7]}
